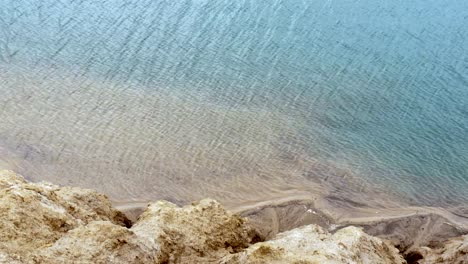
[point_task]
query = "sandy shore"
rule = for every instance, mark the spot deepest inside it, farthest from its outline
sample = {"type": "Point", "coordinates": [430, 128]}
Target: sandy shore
{"type": "Point", "coordinates": [406, 227]}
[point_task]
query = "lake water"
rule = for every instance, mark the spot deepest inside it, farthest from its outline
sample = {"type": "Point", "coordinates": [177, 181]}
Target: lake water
{"type": "Point", "coordinates": [238, 100]}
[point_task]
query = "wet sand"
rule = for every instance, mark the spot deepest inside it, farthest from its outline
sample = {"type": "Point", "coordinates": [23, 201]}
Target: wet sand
{"type": "Point", "coordinates": [407, 227]}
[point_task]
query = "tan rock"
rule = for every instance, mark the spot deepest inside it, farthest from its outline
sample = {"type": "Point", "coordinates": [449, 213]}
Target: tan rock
{"type": "Point", "coordinates": [45, 223]}
{"type": "Point", "coordinates": [34, 215]}
{"type": "Point", "coordinates": [455, 251]}
{"type": "Point", "coordinates": [6, 258]}
{"type": "Point", "coordinates": [311, 244]}
{"type": "Point", "coordinates": [98, 242]}
{"type": "Point", "coordinates": [200, 233]}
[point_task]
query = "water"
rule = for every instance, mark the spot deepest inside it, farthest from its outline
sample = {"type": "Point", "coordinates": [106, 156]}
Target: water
{"type": "Point", "coordinates": [238, 100]}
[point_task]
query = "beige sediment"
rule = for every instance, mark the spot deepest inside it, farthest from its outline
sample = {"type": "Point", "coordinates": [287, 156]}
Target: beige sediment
{"type": "Point", "coordinates": [45, 223]}
{"type": "Point", "coordinates": [407, 227]}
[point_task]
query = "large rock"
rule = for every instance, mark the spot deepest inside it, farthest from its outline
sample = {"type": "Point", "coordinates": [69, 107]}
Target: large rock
{"type": "Point", "coordinates": [98, 242]}
{"type": "Point", "coordinates": [200, 233]}
{"type": "Point", "coordinates": [311, 244]}
{"type": "Point", "coordinates": [33, 215]}
{"type": "Point", "coordinates": [45, 223]}
{"type": "Point", "coordinates": [455, 251]}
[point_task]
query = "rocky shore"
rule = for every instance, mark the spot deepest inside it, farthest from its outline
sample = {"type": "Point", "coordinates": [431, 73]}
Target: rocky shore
{"type": "Point", "coordinates": [45, 223]}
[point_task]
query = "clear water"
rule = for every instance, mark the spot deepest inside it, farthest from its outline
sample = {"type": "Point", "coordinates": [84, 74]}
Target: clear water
{"type": "Point", "coordinates": [238, 100]}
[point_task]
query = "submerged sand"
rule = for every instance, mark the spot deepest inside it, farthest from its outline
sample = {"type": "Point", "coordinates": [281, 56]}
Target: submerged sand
{"type": "Point", "coordinates": [139, 146]}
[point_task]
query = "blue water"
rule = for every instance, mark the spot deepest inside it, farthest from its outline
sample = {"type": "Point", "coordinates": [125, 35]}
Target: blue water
{"type": "Point", "coordinates": [378, 88]}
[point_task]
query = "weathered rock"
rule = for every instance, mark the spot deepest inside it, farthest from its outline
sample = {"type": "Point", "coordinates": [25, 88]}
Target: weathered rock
{"type": "Point", "coordinates": [37, 214]}
{"type": "Point", "coordinates": [6, 258]}
{"type": "Point", "coordinates": [454, 251]}
{"type": "Point", "coordinates": [98, 242]}
{"type": "Point", "coordinates": [311, 244]}
{"type": "Point", "coordinates": [44, 223]}
{"type": "Point", "coordinates": [200, 233]}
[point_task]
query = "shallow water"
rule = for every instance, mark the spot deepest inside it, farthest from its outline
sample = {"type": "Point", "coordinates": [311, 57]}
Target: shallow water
{"type": "Point", "coordinates": [238, 100]}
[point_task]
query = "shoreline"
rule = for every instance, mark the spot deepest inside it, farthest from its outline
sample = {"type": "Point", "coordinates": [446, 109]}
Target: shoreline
{"type": "Point", "coordinates": [70, 222]}
{"type": "Point", "coordinates": [407, 227]}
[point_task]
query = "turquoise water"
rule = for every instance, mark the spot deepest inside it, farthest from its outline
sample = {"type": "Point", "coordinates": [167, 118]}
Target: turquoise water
{"type": "Point", "coordinates": [238, 99]}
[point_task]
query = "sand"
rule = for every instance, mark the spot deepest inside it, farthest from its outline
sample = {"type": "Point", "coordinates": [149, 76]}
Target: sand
{"type": "Point", "coordinates": [138, 147]}
{"type": "Point", "coordinates": [407, 228]}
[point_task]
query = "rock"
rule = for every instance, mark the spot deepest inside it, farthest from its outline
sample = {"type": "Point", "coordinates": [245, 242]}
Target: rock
{"type": "Point", "coordinates": [311, 244]}
{"type": "Point", "coordinates": [5, 258]}
{"type": "Point", "coordinates": [45, 223]}
{"type": "Point", "coordinates": [98, 242]}
{"type": "Point", "coordinates": [200, 233]}
{"type": "Point", "coordinates": [454, 251]}
{"type": "Point", "coordinates": [33, 215]}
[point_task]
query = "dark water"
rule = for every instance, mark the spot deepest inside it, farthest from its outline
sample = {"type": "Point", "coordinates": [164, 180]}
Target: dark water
{"type": "Point", "coordinates": [238, 100]}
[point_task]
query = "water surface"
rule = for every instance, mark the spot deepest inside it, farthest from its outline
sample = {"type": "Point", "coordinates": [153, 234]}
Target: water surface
{"type": "Point", "coordinates": [238, 100]}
